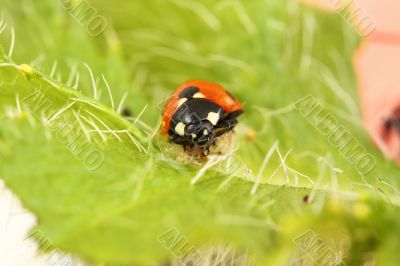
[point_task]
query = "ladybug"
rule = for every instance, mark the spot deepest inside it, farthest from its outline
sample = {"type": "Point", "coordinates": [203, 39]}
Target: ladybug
{"type": "Point", "coordinates": [198, 112]}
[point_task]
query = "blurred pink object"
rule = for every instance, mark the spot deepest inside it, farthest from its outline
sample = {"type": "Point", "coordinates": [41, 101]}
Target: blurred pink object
{"type": "Point", "coordinates": [377, 66]}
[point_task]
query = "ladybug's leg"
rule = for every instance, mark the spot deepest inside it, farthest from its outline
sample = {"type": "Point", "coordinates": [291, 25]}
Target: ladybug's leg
{"type": "Point", "coordinates": [206, 151]}
{"type": "Point", "coordinates": [234, 114]}
{"type": "Point", "coordinates": [227, 123]}
{"type": "Point", "coordinates": [224, 126]}
{"type": "Point", "coordinates": [177, 139]}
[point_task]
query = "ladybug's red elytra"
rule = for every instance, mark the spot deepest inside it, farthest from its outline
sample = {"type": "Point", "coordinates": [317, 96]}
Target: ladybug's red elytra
{"type": "Point", "coordinates": [198, 112]}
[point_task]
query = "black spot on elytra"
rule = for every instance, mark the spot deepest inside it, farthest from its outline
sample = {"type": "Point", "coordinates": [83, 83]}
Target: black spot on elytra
{"type": "Point", "coordinates": [189, 92]}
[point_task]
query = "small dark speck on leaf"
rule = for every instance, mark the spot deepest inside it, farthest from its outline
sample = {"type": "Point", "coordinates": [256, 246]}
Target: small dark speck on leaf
{"type": "Point", "coordinates": [126, 112]}
{"type": "Point", "coordinates": [306, 198]}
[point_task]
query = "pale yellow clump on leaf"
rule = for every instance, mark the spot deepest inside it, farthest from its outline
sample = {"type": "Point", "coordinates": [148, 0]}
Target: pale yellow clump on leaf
{"type": "Point", "coordinates": [27, 69]}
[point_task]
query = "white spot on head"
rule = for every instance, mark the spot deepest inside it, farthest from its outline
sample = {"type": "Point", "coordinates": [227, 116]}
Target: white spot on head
{"type": "Point", "coordinates": [205, 132]}
{"type": "Point", "coordinates": [199, 95]}
{"type": "Point", "coordinates": [213, 118]}
{"type": "Point", "coordinates": [181, 101]}
{"type": "Point", "coordinates": [180, 129]}
{"type": "Point", "coordinates": [194, 136]}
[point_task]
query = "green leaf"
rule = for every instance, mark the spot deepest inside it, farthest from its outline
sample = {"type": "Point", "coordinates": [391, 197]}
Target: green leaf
{"type": "Point", "coordinates": [114, 209]}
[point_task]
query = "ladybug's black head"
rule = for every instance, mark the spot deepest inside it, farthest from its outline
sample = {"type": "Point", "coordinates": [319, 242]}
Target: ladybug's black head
{"type": "Point", "coordinates": [194, 122]}
{"type": "Point", "coordinates": [200, 133]}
